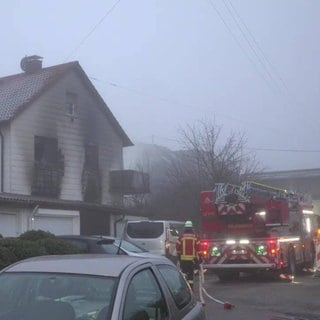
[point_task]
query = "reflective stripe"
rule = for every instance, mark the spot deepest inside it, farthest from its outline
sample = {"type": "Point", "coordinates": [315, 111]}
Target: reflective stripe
{"type": "Point", "coordinates": [288, 239]}
{"type": "Point", "coordinates": [188, 246]}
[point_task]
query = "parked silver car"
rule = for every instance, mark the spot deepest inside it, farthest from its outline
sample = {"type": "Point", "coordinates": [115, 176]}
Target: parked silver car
{"type": "Point", "coordinates": [104, 244]}
{"type": "Point", "coordinates": [96, 287]}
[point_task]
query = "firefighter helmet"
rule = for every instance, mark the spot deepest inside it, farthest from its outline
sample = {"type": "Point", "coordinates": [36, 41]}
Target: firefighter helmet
{"type": "Point", "coordinates": [188, 224]}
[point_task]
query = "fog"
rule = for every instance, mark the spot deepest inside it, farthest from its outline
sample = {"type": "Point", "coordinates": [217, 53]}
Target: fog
{"type": "Point", "coordinates": [253, 66]}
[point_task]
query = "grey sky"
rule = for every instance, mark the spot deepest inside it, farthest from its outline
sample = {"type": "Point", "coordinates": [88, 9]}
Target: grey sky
{"type": "Point", "coordinates": [175, 61]}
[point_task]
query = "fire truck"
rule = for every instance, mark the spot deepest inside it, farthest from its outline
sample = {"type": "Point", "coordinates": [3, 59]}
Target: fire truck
{"type": "Point", "coordinates": [253, 227]}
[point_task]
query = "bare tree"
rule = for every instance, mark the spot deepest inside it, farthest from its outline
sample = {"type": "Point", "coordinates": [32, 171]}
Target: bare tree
{"type": "Point", "coordinates": [207, 158]}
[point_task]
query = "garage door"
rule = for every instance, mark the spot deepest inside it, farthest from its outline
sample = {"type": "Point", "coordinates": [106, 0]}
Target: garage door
{"type": "Point", "coordinates": [56, 225]}
{"type": "Point", "coordinates": [8, 225]}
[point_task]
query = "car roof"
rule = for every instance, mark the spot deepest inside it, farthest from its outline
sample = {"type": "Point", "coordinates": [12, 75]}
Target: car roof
{"type": "Point", "coordinates": [163, 221]}
{"type": "Point", "coordinates": [100, 264]}
{"type": "Point", "coordinates": [93, 237]}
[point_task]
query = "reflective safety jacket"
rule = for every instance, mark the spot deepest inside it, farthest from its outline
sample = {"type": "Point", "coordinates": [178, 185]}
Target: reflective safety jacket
{"type": "Point", "coordinates": [188, 246]}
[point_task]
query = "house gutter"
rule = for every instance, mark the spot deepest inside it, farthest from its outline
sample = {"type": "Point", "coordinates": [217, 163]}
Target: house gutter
{"type": "Point", "coordinates": [31, 217]}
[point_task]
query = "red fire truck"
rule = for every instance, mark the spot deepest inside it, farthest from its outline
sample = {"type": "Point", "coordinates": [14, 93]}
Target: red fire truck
{"type": "Point", "coordinates": [253, 227]}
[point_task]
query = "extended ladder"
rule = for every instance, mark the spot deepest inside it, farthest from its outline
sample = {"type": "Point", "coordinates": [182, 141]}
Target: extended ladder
{"type": "Point", "coordinates": [247, 189]}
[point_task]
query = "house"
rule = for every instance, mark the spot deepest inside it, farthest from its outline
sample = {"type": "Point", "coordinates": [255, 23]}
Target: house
{"type": "Point", "coordinates": [59, 142]}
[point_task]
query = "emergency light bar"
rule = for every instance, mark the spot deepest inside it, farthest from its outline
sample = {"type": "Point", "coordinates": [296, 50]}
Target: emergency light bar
{"type": "Point", "coordinates": [307, 212]}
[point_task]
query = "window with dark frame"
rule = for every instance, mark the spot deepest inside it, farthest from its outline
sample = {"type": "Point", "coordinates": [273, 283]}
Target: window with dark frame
{"type": "Point", "coordinates": [92, 157]}
{"type": "Point", "coordinates": [45, 149]}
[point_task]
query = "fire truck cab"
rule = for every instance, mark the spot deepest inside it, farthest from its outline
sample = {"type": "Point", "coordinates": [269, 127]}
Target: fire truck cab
{"type": "Point", "coordinates": [253, 227]}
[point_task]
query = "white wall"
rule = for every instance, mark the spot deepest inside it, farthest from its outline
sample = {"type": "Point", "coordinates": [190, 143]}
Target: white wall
{"type": "Point", "coordinates": [57, 222]}
{"type": "Point", "coordinates": [47, 116]}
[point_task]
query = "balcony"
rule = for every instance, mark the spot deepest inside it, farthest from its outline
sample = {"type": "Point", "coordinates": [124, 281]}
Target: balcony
{"type": "Point", "coordinates": [129, 182]}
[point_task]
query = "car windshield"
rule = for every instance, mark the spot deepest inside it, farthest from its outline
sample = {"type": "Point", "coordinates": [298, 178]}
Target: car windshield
{"type": "Point", "coordinates": [38, 296]}
{"type": "Point", "coordinates": [128, 246]}
{"type": "Point", "coordinates": [125, 245]}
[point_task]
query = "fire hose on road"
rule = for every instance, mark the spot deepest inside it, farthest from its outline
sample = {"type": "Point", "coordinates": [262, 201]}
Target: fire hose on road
{"type": "Point", "coordinates": [202, 290]}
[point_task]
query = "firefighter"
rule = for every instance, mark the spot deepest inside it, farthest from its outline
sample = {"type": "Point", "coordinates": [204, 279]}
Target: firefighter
{"type": "Point", "coordinates": [188, 250]}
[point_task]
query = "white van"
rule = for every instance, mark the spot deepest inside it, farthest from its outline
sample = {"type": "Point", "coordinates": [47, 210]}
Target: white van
{"type": "Point", "coordinates": [157, 236]}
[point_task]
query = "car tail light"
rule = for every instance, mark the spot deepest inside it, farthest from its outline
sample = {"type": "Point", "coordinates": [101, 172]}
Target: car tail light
{"type": "Point", "coordinates": [204, 247]}
{"type": "Point", "coordinates": [272, 245]}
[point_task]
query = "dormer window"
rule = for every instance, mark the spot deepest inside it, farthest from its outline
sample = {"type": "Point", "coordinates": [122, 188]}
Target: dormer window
{"type": "Point", "coordinates": [71, 103]}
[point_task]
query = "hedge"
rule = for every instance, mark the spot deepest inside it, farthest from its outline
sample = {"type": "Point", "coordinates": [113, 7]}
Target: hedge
{"type": "Point", "coordinates": [30, 244]}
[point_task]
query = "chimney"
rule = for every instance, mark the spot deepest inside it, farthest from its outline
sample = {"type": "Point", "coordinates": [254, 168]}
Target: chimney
{"type": "Point", "coordinates": [31, 64]}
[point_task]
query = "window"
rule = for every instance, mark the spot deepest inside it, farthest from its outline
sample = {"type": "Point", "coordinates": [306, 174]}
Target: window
{"type": "Point", "coordinates": [176, 284]}
{"type": "Point", "coordinates": [145, 229]}
{"type": "Point", "coordinates": [55, 296]}
{"type": "Point", "coordinates": [176, 229]}
{"type": "Point", "coordinates": [71, 103]}
{"type": "Point", "coordinates": [45, 149]}
{"type": "Point", "coordinates": [48, 167]}
{"type": "Point", "coordinates": [92, 157]}
{"type": "Point", "coordinates": [144, 299]}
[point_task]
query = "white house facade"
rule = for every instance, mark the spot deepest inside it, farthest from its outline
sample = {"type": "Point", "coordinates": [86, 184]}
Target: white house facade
{"type": "Point", "coordinates": [59, 142]}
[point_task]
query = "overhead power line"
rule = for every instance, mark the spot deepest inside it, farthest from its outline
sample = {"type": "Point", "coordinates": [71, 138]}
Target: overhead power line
{"type": "Point", "coordinates": [189, 106]}
{"type": "Point", "coordinates": [285, 150]}
{"type": "Point", "coordinates": [91, 31]}
{"type": "Point", "coordinates": [271, 65]}
{"type": "Point", "coordinates": [252, 45]}
{"type": "Point", "coordinates": [254, 58]}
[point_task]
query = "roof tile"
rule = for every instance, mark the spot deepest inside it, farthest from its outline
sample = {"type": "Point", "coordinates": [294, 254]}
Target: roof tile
{"type": "Point", "coordinates": [20, 89]}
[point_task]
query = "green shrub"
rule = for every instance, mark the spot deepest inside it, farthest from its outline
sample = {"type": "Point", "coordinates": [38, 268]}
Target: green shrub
{"type": "Point", "coordinates": [27, 249]}
{"type": "Point", "coordinates": [31, 244]}
{"type": "Point", "coordinates": [34, 235]}
{"type": "Point", "coordinates": [58, 246]}
{"type": "Point", "coordinates": [6, 257]}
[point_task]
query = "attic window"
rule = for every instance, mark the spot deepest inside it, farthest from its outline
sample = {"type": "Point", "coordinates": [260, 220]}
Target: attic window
{"type": "Point", "coordinates": [71, 103]}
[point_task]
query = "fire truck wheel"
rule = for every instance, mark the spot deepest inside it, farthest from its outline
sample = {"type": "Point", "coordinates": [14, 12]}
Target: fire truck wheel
{"type": "Point", "coordinates": [292, 266]}
{"type": "Point", "coordinates": [228, 275]}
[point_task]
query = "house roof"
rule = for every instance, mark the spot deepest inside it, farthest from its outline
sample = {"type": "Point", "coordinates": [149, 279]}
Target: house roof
{"type": "Point", "coordinates": [289, 174]}
{"type": "Point", "coordinates": [26, 200]}
{"type": "Point", "coordinates": [20, 90]}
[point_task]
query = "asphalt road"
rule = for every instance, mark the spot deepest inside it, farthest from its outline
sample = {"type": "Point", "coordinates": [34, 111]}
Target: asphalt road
{"type": "Point", "coordinates": [257, 298]}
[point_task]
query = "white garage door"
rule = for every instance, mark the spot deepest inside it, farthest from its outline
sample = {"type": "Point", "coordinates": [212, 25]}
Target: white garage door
{"type": "Point", "coordinates": [8, 225]}
{"type": "Point", "coordinates": [56, 225]}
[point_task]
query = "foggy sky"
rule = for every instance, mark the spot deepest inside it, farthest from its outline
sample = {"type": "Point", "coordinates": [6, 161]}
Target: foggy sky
{"type": "Point", "coordinates": [159, 64]}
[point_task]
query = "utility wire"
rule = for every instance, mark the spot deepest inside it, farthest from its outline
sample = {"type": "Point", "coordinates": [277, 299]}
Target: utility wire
{"type": "Point", "coordinates": [91, 31]}
{"type": "Point", "coordinates": [222, 115]}
{"type": "Point", "coordinates": [240, 45]}
{"type": "Point", "coordinates": [258, 50]}
{"type": "Point", "coordinates": [251, 45]}
{"type": "Point", "coordinates": [285, 150]}
{"type": "Point", "coordinates": [251, 148]}
{"type": "Point", "coordinates": [271, 65]}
